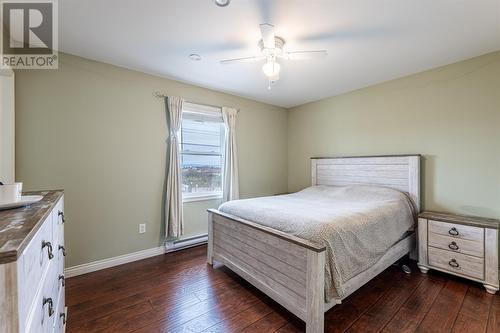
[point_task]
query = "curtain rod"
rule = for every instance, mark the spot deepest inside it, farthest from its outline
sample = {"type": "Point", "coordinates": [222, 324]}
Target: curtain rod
{"type": "Point", "coordinates": [158, 94]}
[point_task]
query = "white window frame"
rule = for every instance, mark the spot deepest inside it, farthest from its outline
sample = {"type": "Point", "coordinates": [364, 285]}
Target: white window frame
{"type": "Point", "coordinates": [210, 111]}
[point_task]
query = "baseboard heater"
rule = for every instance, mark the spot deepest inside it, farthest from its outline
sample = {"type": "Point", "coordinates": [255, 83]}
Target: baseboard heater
{"type": "Point", "coordinates": [185, 243]}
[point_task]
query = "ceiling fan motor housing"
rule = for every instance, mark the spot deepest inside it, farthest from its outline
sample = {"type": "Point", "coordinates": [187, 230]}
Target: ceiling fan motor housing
{"type": "Point", "coordinates": [279, 44]}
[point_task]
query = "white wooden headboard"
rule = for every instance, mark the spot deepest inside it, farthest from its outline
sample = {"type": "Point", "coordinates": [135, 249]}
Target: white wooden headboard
{"type": "Point", "coordinates": [401, 172]}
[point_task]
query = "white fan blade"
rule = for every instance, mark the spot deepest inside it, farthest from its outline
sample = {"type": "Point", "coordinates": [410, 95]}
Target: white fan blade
{"type": "Point", "coordinates": [267, 31]}
{"type": "Point", "coordinates": [306, 54]}
{"type": "Point", "coordinates": [246, 59]}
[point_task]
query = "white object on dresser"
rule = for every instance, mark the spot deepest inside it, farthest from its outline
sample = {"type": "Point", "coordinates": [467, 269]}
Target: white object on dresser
{"type": "Point", "coordinates": [465, 246]}
{"type": "Point", "coordinates": [32, 284]}
{"type": "Point", "coordinates": [10, 192]}
{"type": "Point", "coordinates": [25, 200]}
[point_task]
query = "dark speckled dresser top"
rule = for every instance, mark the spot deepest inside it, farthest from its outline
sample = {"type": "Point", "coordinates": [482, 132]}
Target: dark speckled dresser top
{"type": "Point", "coordinates": [19, 225]}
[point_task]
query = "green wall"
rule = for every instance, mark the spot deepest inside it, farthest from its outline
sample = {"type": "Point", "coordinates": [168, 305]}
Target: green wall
{"type": "Point", "coordinates": [451, 115]}
{"type": "Point", "coordinates": [96, 131]}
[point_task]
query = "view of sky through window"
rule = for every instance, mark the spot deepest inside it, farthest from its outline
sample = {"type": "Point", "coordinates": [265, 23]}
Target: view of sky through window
{"type": "Point", "coordinates": [202, 144]}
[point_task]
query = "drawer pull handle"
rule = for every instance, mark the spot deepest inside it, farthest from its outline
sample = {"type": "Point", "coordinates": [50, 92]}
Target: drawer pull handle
{"type": "Point", "coordinates": [62, 315]}
{"type": "Point", "coordinates": [453, 263]}
{"type": "Point", "coordinates": [49, 248]}
{"type": "Point", "coordinates": [453, 246]}
{"type": "Point", "coordinates": [453, 231]}
{"type": "Point", "coordinates": [61, 214]}
{"type": "Point", "coordinates": [63, 250]}
{"type": "Point", "coordinates": [61, 277]}
{"type": "Point", "coordinates": [51, 305]}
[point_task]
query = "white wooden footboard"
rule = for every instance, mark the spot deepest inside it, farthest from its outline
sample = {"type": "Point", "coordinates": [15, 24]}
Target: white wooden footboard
{"type": "Point", "coordinates": [288, 269]}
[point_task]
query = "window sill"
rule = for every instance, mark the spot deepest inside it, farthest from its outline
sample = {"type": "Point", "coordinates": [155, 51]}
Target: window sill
{"type": "Point", "coordinates": [202, 197]}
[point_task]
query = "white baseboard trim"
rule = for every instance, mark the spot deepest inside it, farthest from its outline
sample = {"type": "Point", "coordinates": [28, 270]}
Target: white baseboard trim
{"type": "Point", "coordinates": [180, 244]}
{"type": "Point", "coordinates": [111, 262]}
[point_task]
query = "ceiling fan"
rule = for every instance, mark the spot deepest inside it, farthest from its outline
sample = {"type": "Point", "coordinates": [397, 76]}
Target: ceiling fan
{"type": "Point", "coordinates": [272, 48]}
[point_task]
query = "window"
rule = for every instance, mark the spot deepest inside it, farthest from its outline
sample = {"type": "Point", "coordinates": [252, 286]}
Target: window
{"type": "Point", "coordinates": [202, 152]}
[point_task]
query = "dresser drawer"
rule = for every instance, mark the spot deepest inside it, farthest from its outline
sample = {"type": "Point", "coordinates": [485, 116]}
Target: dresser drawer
{"type": "Point", "coordinates": [456, 263]}
{"type": "Point", "coordinates": [60, 250]}
{"type": "Point", "coordinates": [58, 220]}
{"type": "Point", "coordinates": [35, 261]}
{"type": "Point", "coordinates": [43, 312]}
{"type": "Point", "coordinates": [60, 269]}
{"type": "Point", "coordinates": [457, 245]}
{"type": "Point", "coordinates": [457, 231]}
{"type": "Point", "coordinates": [60, 319]}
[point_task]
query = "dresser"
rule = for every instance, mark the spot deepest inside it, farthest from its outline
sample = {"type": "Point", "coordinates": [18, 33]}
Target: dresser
{"type": "Point", "coordinates": [32, 266]}
{"type": "Point", "coordinates": [465, 246]}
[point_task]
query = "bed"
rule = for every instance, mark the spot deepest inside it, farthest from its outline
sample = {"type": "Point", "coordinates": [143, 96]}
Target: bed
{"type": "Point", "coordinates": [307, 256]}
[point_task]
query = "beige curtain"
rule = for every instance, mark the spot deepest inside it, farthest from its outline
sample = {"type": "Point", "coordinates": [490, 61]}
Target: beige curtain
{"type": "Point", "coordinates": [231, 190]}
{"type": "Point", "coordinates": [173, 198]}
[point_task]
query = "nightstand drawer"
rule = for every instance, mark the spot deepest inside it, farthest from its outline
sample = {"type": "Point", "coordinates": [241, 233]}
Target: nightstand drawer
{"type": "Point", "coordinates": [457, 263]}
{"type": "Point", "coordinates": [457, 230]}
{"type": "Point", "coordinates": [457, 245]}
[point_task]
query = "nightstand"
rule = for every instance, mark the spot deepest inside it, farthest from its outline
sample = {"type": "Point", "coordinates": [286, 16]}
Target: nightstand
{"type": "Point", "coordinates": [465, 246]}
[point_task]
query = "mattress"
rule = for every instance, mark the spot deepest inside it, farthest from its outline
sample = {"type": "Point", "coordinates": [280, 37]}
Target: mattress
{"type": "Point", "coordinates": [356, 224]}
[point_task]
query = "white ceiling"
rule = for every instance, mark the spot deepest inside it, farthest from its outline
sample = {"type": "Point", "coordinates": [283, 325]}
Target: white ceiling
{"type": "Point", "coordinates": [369, 41]}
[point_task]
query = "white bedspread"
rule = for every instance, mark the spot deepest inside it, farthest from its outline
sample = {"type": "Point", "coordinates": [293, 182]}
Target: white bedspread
{"type": "Point", "coordinates": [357, 224]}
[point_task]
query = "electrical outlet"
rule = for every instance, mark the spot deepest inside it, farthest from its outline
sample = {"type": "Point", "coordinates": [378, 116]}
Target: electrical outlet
{"type": "Point", "coordinates": [142, 228]}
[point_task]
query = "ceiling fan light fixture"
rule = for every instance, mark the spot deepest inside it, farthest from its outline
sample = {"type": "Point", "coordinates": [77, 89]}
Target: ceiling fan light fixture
{"type": "Point", "coordinates": [271, 69]}
{"type": "Point", "coordinates": [222, 3]}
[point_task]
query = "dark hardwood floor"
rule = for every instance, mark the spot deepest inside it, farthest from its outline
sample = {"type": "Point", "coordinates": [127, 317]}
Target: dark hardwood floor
{"type": "Point", "coordinates": [179, 292]}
